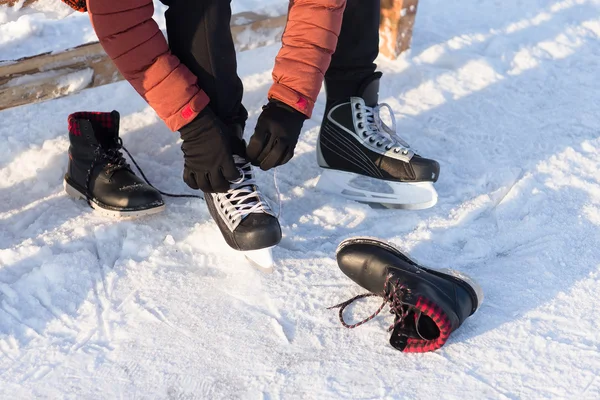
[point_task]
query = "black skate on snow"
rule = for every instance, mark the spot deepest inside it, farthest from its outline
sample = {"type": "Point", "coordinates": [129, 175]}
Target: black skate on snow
{"type": "Point", "coordinates": [364, 160]}
{"type": "Point", "coordinates": [245, 218]}
{"type": "Point", "coordinates": [428, 305]}
{"type": "Point", "coordinates": [98, 172]}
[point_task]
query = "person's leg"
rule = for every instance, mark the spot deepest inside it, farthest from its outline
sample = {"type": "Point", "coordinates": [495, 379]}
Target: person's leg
{"type": "Point", "coordinates": [358, 46]}
{"type": "Point", "coordinates": [353, 142]}
{"type": "Point", "coordinates": [200, 36]}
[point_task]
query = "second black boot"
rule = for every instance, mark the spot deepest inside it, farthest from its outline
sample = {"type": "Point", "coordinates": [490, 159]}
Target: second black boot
{"type": "Point", "coordinates": [428, 304]}
{"type": "Point", "coordinates": [98, 172]}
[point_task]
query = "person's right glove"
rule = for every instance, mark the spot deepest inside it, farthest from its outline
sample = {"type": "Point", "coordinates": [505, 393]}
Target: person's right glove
{"type": "Point", "coordinates": [275, 136]}
{"type": "Point", "coordinates": [208, 159]}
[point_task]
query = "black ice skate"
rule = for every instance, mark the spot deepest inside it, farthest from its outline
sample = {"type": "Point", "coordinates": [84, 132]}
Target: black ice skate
{"type": "Point", "coordinates": [99, 173]}
{"type": "Point", "coordinates": [428, 305]}
{"type": "Point", "coordinates": [365, 160]}
{"type": "Point", "coordinates": [245, 218]}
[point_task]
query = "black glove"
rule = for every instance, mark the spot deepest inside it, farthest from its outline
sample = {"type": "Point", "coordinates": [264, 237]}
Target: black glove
{"type": "Point", "coordinates": [208, 160]}
{"type": "Point", "coordinates": [275, 136]}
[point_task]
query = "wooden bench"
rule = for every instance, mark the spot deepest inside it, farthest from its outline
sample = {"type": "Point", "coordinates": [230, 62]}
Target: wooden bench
{"type": "Point", "coordinates": [52, 75]}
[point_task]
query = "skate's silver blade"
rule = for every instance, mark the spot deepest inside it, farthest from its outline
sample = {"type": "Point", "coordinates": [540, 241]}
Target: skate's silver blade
{"type": "Point", "coordinates": [365, 189]}
{"type": "Point", "coordinates": [261, 259]}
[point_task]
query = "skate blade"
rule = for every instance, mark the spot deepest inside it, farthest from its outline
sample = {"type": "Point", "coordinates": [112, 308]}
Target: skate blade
{"type": "Point", "coordinates": [389, 194]}
{"type": "Point", "coordinates": [98, 209]}
{"type": "Point", "coordinates": [261, 259]}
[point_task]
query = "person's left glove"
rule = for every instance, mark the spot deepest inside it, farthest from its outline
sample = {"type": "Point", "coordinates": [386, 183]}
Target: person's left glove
{"type": "Point", "coordinates": [275, 136]}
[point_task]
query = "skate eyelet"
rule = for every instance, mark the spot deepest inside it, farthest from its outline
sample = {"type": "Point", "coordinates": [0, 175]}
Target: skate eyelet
{"type": "Point", "coordinates": [359, 115]}
{"type": "Point", "coordinates": [378, 144]}
{"type": "Point", "coordinates": [405, 152]}
{"type": "Point", "coordinates": [357, 106]}
{"type": "Point", "coordinates": [360, 125]}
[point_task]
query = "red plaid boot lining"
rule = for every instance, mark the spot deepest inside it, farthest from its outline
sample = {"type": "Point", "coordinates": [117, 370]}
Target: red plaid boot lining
{"type": "Point", "coordinates": [442, 321]}
{"type": "Point", "coordinates": [103, 119]}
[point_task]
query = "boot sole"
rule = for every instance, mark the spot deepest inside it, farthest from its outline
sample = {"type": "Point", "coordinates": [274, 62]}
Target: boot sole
{"type": "Point", "coordinates": [103, 210]}
{"type": "Point", "coordinates": [462, 279]}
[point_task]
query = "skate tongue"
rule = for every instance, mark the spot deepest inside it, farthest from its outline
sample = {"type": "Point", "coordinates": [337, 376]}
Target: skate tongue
{"type": "Point", "coordinates": [239, 161]}
{"type": "Point", "coordinates": [246, 186]}
{"type": "Point", "coordinates": [369, 90]}
{"type": "Point", "coordinates": [242, 164]}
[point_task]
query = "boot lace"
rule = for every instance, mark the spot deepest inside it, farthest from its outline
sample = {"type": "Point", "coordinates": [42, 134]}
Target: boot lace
{"type": "Point", "coordinates": [393, 297]}
{"type": "Point", "coordinates": [113, 158]}
{"type": "Point", "coordinates": [244, 193]}
{"type": "Point", "coordinates": [379, 132]}
{"type": "Point", "coordinates": [243, 198]}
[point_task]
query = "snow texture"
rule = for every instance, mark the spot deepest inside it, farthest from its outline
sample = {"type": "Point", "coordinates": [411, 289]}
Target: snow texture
{"type": "Point", "coordinates": [505, 95]}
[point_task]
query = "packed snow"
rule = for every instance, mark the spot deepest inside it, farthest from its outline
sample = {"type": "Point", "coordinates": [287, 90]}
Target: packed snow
{"type": "Point", "coordinates": [505, 95]}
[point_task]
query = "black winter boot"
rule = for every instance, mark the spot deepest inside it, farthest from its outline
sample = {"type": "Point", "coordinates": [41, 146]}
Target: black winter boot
{"type": "Point", "coordinates": [99, 173]}
{"type": "Point", "coordinates": [364, 159]}
{"type": "Point", "coordinates": [428, 305]}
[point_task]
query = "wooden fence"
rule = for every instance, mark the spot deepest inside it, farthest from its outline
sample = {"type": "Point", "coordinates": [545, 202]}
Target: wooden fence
{"type": "Point", "coordinates": [52, 75]}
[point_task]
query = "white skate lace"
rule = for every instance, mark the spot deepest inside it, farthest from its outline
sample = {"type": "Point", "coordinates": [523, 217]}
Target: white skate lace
{"type": "Point", "coordinates": [238, 193]}
{"type": "Point", "coordinates": [243, 198]}
{"type": "Point", "coordinates": [380, 133]}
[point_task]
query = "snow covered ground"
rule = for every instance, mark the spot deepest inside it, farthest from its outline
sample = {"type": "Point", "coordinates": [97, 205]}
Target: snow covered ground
{"type": "Point", "coordinates": [505, 95]}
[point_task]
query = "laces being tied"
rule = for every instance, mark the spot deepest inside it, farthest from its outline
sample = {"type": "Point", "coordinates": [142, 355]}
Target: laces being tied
{"type": "Point", "coordinates": [380, 133]}
{"type": "Point", "coordinates": [243, 197]}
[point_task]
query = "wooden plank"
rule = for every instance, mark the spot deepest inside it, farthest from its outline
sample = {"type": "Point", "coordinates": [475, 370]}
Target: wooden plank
{"type": "Point", "coordinates": [53, 75]}
{"type": "Point", "coordinates": [60, 84]}
{"type": "Point", "coordinates": [397, 20]}
{"type": "Point", "coordinates": [11, 3]}
{"type": "Point", "coordinates": [250, 30]}
{"type": "Point", "coordinates": [396, 26]}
